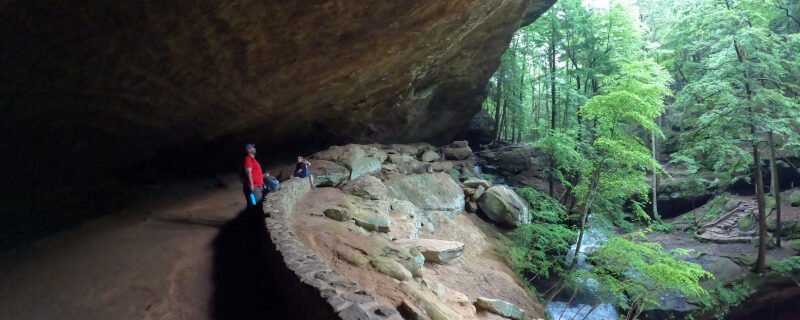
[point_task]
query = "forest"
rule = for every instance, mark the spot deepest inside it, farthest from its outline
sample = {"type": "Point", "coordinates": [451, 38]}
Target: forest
{"type": "Point", "coordinates": [620, 95]}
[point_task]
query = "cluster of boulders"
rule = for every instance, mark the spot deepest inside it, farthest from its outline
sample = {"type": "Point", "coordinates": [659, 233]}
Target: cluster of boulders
{"type": "Point", "coordinates": [403, 192]}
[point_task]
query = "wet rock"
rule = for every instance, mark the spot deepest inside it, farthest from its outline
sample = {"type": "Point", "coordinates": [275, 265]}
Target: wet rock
{"type": "Point", "coordinates": [429, 155]}
{"type": "Point", "coordinates": [367, 187]}
{"type": "Point", "coordinates": [429, 191]}
{"type": "Point", "coordinates": [437, 251]}
{"type": "Point", "coordinates": [391, 268]}
{"type": "Point", "coordinates": [502, 205]}
{"type": "Point", "coordinates": [328, 173]}
{"type": "Point", "coordinates": [501, 308]}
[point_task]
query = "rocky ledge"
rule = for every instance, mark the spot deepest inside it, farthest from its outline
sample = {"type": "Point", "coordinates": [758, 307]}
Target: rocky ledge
{"type": "Point", "coordinates": [394, 242]}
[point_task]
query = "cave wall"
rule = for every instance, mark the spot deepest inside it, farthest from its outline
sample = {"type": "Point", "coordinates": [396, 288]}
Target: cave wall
{"type": "Point", "coordinates": [96, 95]}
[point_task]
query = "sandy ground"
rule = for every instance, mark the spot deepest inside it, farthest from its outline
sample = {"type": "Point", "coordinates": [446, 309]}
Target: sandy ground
{"type": "Point", "coordinates": [161, 259]}
{"type": "Point", "coordinates": [478, 272]}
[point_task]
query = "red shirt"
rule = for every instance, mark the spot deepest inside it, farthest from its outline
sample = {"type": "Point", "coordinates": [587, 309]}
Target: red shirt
{"type": "Point", "coordinates": [252, 163]}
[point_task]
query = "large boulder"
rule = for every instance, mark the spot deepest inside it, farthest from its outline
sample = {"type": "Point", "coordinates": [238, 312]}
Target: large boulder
{"type": "Point", "coordinates": [359, 159]}
{"type": "Point", "coordinates": [367, 187]}
{"type": "Point", "coordinates": [437, 251]}
{"type": "Point", "coordinates": [328, 173]}
{"type": "Point", "coordinates": [429, 155]}
{"type": "Point", "coordinates": [428, 191]}
{"type": "Point", "coordinates": [458, 150]}
{"type": "Point", "coordinates": [502, 205]}
{"type": "Point", "coordinates": [513, 159]}
{"type": "Point", "coordinates": [794, 198]}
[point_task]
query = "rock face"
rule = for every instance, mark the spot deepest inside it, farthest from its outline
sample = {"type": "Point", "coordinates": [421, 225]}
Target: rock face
{"type": "Point", "coordinates": [429, 191]}
{"type": "Point", "coordinates": [504, 206]}
{"type": "Point", "coordinates": [127, 85]}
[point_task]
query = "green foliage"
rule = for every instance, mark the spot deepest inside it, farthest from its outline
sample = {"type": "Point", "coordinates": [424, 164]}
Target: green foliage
{"type": "Point", "coordinates": [788, 267]}
{"type": "Point", "coordinates": [661, 227]}
{"type": "Point", "coordinates": [544, 209]}
{"type": "Point", "coordinates": [723, 297]}
{"type": "Point", "coordinates": [564, 153]}
{"type": "Point", "coordinates": [538, 249]}
{"type": "Point", "coordinates": [635, 275]}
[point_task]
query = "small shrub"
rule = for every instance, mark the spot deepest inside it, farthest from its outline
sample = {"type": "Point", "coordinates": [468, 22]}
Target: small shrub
{"type": "Point", "coordinates": [724, 297]}
{"type": "Point", "coordinates": [661, 227]}
{"type": "Point", "coordinates": [543, 207]}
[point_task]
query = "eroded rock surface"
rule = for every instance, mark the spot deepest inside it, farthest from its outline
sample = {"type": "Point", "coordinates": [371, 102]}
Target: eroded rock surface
{"type": "Point", "coordinates": [123, 84]}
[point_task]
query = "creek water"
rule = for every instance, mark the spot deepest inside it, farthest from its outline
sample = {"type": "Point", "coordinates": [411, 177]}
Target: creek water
{"type": "Point", "coordinates": [580, 306]}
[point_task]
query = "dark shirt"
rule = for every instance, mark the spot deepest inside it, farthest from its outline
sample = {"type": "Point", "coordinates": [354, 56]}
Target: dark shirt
{"type": "Point", "coordinates": [301, 170]}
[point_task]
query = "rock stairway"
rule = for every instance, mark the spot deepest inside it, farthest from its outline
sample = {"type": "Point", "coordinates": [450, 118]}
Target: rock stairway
{"type": "Point", "coordinates": [726, 229]}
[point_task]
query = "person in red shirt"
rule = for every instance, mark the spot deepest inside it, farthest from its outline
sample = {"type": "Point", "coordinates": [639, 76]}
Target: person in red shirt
{"type": "Point", "coordinates": [252, 177]}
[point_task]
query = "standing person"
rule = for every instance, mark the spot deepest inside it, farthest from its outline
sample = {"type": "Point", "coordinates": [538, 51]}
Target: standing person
{"type": "Point", "coordinates": [252, 178]}
{"type": "Point", "coordinates": [303, 169]}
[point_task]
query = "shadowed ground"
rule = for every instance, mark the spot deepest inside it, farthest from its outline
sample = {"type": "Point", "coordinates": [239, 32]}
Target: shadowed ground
{"type": "Point", "coordinates": [189, 257]}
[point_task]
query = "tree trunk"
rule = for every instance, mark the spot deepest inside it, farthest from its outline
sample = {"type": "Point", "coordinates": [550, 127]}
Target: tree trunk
{"type": "Point", "coordinates": [497, 100]}
{"type": "Point", "coordinates": [775, 187]}
{"type": "Point", "coordinates": [762, 217]}
{"type": "Point", "coordinates": [503, 117]}
{"type": "Point", "coordinates": [655, 179]}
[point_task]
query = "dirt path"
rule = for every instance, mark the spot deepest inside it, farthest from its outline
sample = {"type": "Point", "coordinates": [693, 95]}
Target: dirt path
{"type": "Point", "coordinates": [187, 257]}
